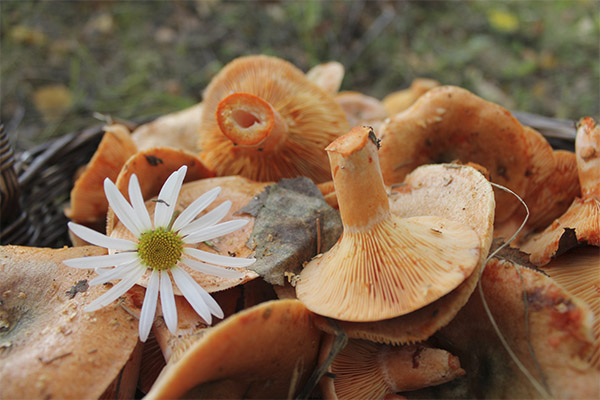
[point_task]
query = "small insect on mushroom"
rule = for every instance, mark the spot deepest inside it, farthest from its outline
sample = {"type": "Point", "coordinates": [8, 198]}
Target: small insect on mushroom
{"type": "Point", "coordinates": [160, 247]}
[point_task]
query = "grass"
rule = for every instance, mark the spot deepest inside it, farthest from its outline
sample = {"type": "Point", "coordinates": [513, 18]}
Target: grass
{"type": "Point", "coordinates": [64, 61]}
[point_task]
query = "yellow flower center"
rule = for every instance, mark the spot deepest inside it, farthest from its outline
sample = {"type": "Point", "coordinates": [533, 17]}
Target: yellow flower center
{"type": "Point", "coordinates": [160, 249]}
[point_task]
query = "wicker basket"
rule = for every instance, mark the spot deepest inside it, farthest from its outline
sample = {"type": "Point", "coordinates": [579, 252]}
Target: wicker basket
{"type": "Point", "coordinates": [35, 185]}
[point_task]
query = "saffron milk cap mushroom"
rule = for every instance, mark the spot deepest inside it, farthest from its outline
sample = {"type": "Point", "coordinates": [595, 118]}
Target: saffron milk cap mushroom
{"type": "Point", "coordinates": [383, 266]}
{"type": "Point", "coordinates": [49, 346]}
{"type": "Point", "coordinates": [449, 123]}
{"type": "Point", "coordinates": [328, 76]}
{"type": "Point", "coordinates": [367, 370]}
{"type": "Point", "coordinates": [400, 100]}
{"type": "Point", "coordinates": [266, 351]}
{"type": "Point", "coordinates": [263, 119]}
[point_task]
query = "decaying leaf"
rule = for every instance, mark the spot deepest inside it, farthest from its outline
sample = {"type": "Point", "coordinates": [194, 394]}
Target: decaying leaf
{"type": "Point", "coordinates": [291, 217]}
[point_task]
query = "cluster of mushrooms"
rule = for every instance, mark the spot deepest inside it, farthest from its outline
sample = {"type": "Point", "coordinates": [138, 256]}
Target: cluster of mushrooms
{"type": "Point", "coordinates": [434, 289]}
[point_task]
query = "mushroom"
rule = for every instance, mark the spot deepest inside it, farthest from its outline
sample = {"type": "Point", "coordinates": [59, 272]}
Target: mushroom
{"type": "Point", "coordinates": [456, 192]}
{"type": "Point", "coordinates": [88, 203]}
{"type": "Point", "coordinates": [581, 222]}
{"type": "Point", "coordinates": [267, 351]}
{"type": "Point", "coordinates": [328, 76]}
{"type": "Point", "coordinates": [400, 100]}
{"type": "Point", "coordinates": [51, 348]}
{"type": "Point", "coordinates": [577, 272]}
{"type": "Point", "coordinates": [547, 329]}
{"type": "Point", "coordinates": [264, 120]}
{"type": "Point", "coordinates": [366, 370]}
{"type": "Point", "coordinates": [449, 123]}
{"type": "Point", "coordinates": [178, 130]}
{"type": "Point", "coordinates": [361, 109]}
{"type": "Point", "coordinates": [383, 266]}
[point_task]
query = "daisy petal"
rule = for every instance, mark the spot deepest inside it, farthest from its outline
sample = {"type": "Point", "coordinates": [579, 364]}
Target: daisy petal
{"type": "Point", "coordinates": [114, 273]}
{"type": "Point", "coordinates": [195, 208]}
{"type": "Point", "coordinates": [116, 291]}
{"type": "Point", "coordinates": [214, 231]}
{"type": "Point", "coordinates": [210, 218]}
{"type": "Point", "coordinates": [137, 201]}
{"type": "Point", "coordinates": [192, 292]}
{"type": "Point", "coordinates": [212, 304]}
{"type": "Point", "coordinates": [122, 208]}
{"type": "Point", "coordinates": [211, 269]}
{"type": "Point", "coordinates": [167, 300]}
{"type": "Point", "coordinates": [218, 259]}
{"type": "Point", "coordinates": [168, 197]}
{"type": "Point", "coordinates": [99, 239]}
{"type": "Point", "coordinates": [149, 306]}
{"type": "Point", "coordinates": [108, 260]}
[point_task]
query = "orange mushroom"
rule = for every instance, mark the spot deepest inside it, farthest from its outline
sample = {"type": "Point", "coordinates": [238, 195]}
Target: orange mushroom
{"type": "Point", "coordinates": [50, 347]}
{"type": "Point", "coordinates": [361, 109]}
{"type": "Point", "coordinates": [264, 120]}
{"type": "Point", "coordinates": [449, 123]}
{"type": "Point", "coordinates": [328, 76]}
{"type": "Point", "coordinates": [400, 100]}
{"type": "Point", "coordinates": [383, 266]}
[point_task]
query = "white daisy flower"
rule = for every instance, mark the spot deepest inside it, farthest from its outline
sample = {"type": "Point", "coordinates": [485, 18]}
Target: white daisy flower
{"type": "Point", "coordinates": [161, 248]}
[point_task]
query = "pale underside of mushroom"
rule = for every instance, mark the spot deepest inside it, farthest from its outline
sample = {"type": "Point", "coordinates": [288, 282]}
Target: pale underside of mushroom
{"type": "Point", "coordinates": [328, 76]}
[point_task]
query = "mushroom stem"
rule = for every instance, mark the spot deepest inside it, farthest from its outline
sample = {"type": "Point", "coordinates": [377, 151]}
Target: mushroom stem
{"type": "Point", "coordinates": [249, 121]}
{"type": "Point", "coordinates": [357, 178]}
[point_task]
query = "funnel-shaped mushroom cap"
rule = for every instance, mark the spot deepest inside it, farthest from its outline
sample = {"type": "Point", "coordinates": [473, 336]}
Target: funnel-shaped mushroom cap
{"type": "Point", "coordinates": [578, 272]}
{"type": "Point", "coordinates": [263, 119]}
{"type": "Point", "coordinates": [456, 192]}
{"type": "Point", "coordinates": [400, 100]}
{"type": "Point", "coordinates": [587, 148]}
{"type": "Point", "coordinates": [255, 353]}
{"type": "Point", "coordinates": [383, 266]}
{"type": "Point", "coordinates": [52, 348]}
{"type": "Point", "coordinates": [366, 370]}
{"type": "Point", "coordinates": [178, 130]}
{"type": "Point", "coordinates": [88, 202]}
{"type": "Point", "coordinates": [328, 76]}
{"type": "Point", "coordinates": [152, 168]}
{"type": "Point", "coordinates": [450, 123]}
{"type": "Point", "coordinates": [361, 109]}
{"type": "Point", "coordinates": [550, 323]}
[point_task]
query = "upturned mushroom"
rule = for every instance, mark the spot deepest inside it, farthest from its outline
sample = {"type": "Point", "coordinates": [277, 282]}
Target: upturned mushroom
{"type": "Point", "coordinates": [449, 123]}
{"type": "Point", "coordinates": [366, 370]}
{"type": "Point", "coordinates": [267, 351]}
{"type": "Point", "coordinates": [400, 100]}
{"type": "Point", "coordinates": [361, 109]}
{"type": "Point", "coordinates": [383, 266]}
{"type": "Point", "coordinates": [50, 347]}
{"type": "Point", "coordinates": [456, 192]}
{"type": "Point", "coordinates": [264, 120]}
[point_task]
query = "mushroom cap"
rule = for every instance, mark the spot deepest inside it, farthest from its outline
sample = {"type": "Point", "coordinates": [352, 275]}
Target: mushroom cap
{"type": "Point", "coordinates": [51, 347]}
{"type": "Point", "coordinates": [361, 109]}
{"type": "Point", "coordinates": [555, 326]}
{"type": "Point", "coordinates": [583, 216]}
{"type": "Point", "coordinates": [547, 199]}
{"type": "Point", "coordinates": [400, 100]}
{"type": "Point", "coordinates": [383, 266]}
{"type": "Point", "coordinates": [577, 272]}
{"type": "Point", "coordinates": [449, 123]}
{"type": "Point", "coordinates": [587, 148]}
{"type": "Point", "coordinates": [152, 168]}
{"type": "Point", "coordinates": [312, 117]}
{"type": "Point", "coordinates": [178, 130]}
{"type": "Point", "coordinates": [366, 370]}
{"type": "Point", "coordinates": [239, 191]}
{"type": "Point", "coordinates": [88, 202]}
{"type": "Point", "coordinates": [252, 354]}
{"type": "Point", "coordinates": [328, 76]}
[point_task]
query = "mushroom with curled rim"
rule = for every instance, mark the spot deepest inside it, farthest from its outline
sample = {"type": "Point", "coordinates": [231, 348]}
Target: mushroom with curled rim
{"type": "Point", "coordinates": [328, 76]}
{"type": "Point", "coordinates": [361, 109]}
{"type": "Point", "coordinates": [449, 123]}
{"type": "Point", "coordinates": [383, 266]}
{"type": "Point", "coordinates": [49, 346]}
{"type": "Point", "coordinates": [256, 353]}
{"type": "Point", "coordinates": [582, 219]}
{"type": "Point", "coordinates": [400, 100]}
{"type": "Point", "coordinates": [367, 370]}
{"type": "Point", "coordinates": [547, 328]}
{"type": "Point", "coordinates": [457, 192]}
{"type": "Point", "coordinates": [88, 204]}
{"type": "Point", "coordinates": [264, 120]}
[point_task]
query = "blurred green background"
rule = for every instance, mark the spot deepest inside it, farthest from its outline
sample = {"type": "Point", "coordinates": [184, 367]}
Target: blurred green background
{"type": "Point", "coordinates": [64, 63]}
